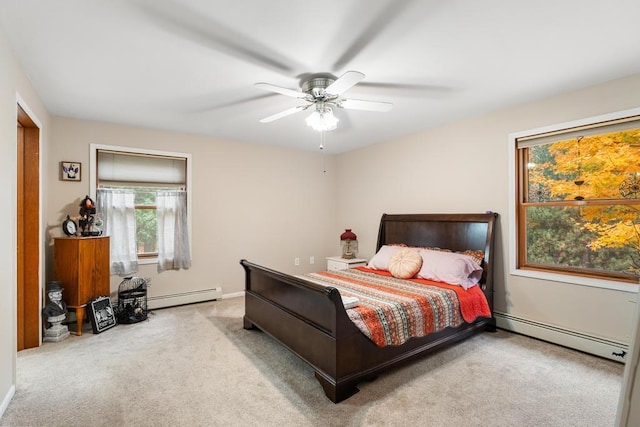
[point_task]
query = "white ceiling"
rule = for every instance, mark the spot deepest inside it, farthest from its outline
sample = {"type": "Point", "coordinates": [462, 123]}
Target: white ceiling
{"type": "Point", "coordinates": [190, 65]}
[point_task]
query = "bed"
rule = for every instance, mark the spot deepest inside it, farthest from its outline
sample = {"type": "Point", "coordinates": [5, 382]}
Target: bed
{"type": "Point", "coordinates": [311, 320]}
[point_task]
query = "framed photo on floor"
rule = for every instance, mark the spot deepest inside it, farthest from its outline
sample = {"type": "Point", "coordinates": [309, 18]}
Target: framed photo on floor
{"type": "Point", "coordinates": [101, 314]}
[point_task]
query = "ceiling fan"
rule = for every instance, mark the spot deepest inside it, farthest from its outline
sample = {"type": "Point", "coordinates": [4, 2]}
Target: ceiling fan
{"type": "Point", "coordinates": [324, 92]}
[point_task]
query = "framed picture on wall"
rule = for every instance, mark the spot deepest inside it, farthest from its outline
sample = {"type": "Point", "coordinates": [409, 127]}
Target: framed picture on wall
{"type": "Point", "coordinates": [70, 171]}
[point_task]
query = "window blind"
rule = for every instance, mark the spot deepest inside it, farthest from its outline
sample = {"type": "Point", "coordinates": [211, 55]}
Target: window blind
{"type": "Point", "coordinates": [131, 167]}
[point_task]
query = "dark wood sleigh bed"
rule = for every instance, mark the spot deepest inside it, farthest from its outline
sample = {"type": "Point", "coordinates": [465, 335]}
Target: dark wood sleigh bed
{"type": "Point", "coordinates": [311, 321]}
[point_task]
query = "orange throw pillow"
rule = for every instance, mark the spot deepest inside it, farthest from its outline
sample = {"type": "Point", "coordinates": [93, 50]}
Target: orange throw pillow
{"type": "Point", "coordinates": [405, 264]}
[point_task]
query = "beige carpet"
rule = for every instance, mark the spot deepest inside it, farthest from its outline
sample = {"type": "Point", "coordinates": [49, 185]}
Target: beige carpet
{"type": "Point", "coordinates": [195, 366]}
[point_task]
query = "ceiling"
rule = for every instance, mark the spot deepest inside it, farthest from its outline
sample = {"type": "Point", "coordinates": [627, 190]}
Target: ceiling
{"type": "Point", "coordinates": [191, 65]}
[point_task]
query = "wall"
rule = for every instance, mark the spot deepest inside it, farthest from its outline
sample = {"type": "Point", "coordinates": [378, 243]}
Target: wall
{"type": "Point", "coordinates": [268, 205]}
{"type": "Point", "coordinates": [12, 82]}
{"type": "Point", "coordinates": [463, 167]}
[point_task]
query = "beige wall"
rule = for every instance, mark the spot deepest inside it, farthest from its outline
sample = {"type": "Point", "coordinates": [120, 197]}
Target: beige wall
{"type": "Point", "coordinates": [268, 205]}
{"type": "Point", "coordinates": [463, 167]}
{"type": "Point", "coordinates": [12, 83]}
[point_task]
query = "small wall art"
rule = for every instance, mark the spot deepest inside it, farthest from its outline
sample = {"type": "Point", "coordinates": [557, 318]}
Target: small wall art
{"type": "Point", "coordinates": [70, 171]}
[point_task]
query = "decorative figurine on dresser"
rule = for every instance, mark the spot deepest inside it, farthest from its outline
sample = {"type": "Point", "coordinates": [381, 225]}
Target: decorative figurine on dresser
{"type": "Point", "coordinates": [87, 217]}
{"type": "Point", "coordinates": [55, 312]}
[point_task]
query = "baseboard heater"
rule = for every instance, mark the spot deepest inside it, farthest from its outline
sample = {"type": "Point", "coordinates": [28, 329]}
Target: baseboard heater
{"type": "Point", "coordinates": [587, 343]}
{"type": "Point", "coordinates": [161, 301]}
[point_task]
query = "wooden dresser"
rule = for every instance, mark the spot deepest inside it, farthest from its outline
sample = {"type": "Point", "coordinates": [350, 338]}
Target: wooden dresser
{"type": "Point", "coordinates": [82, 265]}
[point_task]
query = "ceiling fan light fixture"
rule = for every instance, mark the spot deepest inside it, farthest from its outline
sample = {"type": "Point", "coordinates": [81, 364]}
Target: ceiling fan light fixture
{"type": "Point", "coordinates": [322, 91]}
{"type": "Point", "coordinates": [322, 119]}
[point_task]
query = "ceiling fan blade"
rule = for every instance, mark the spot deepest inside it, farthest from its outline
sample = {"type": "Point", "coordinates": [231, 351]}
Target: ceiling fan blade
{"type": "Point", "coordinates": [344, 82]}
{"type": "Point", "coordinates": [357, 104]}
{"type": "Point", "coordinates": [205, 103]}
{"type": "Point", "coordinates": [177, 18]}
{"type": "Point", "coordinates": [383, 19]}
{"type": "Point", "coordinates": [284, 113]}
{"type": "Point", "coordinates": [406, 89]}
{"type": "Point", "coordinates": [281, 90]}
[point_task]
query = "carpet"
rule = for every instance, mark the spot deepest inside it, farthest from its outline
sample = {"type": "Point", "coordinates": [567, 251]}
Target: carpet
{"type": "Point", "coordinates": [195, 365]}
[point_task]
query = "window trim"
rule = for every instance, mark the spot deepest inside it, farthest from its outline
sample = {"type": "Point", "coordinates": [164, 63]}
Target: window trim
{"type": "Point", "coordinates": [93, 163]}
{"type": "Point", "coordinates": [514, 182]}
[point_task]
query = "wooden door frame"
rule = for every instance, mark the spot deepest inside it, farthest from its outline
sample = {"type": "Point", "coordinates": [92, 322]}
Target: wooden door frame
{"type": "Point", "coordinates": [28, 229]}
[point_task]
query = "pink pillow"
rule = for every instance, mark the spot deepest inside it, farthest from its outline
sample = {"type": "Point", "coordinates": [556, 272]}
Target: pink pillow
{"type": "Point", "coordinates": [476, 255]}
{"type": "Point", "coordinates": [380, 260]}
{"type": "Point", "coordinates": [449, 267]}
{"type": "Point", "coordinates": [405, 264]}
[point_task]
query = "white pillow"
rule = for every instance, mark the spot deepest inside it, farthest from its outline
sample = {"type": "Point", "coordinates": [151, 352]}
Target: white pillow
{"type": "Point", "coordinates": [380, 260]}
{"type": "Point", "coordinates": [449, 267]}
{"type": "Point", "coordinates": [404, 264]}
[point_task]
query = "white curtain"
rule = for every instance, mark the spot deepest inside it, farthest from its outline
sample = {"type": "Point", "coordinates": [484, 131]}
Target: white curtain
{"type": "Point", "coordinates": [173, 235]}
{"type": "Point", "coordinates": [118, 212]}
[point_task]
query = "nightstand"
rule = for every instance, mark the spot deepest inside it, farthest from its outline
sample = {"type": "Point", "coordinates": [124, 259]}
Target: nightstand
{"type": "Point", "coordinates": [335, 263]}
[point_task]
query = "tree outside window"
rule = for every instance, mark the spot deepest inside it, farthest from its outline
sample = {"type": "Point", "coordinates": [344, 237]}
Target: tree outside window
{"type": "Point", "coordinates": [579, 205]}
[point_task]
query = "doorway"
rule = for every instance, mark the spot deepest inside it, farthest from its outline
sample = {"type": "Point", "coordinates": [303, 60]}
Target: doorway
{"type": "Point", "coordinates": [28, 231]}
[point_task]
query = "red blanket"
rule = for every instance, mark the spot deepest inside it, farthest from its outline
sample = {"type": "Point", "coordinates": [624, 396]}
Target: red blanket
{"type": "Point", "coordinates": [390, 311]}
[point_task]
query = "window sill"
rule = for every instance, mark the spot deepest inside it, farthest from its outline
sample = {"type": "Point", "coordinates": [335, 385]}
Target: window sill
{"type": "Point", "coordinates": [144, 261]}
{"type": "Point", "coordinates": [578, 280]}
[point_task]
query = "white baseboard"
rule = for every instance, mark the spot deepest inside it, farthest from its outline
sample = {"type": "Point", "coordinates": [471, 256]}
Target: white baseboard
{"type": "Point", "coordinates": [7, 399]}
{"type": "Point", "coordinates": [589, 344]}
{"type": "Point", "coordinates": [233, 295]}
{"type": "Point", "coordinates": [161, 301]}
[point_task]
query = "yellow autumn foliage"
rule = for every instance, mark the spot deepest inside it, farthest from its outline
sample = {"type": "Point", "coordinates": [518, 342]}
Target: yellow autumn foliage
{"type": "Point", "coordinates": [601, 167]}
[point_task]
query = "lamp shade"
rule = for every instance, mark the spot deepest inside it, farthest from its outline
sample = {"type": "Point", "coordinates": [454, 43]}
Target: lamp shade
{"type": "Point", "coordinates": [322, 119]}
{"type": "Point", "coordinates": [348, 235]}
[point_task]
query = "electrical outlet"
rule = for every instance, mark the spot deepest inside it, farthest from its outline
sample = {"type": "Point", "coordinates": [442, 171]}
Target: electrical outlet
{"type": "Point", "coordinates": [312, 260]}
{"type": "Point", "coordinates": [296, 261]}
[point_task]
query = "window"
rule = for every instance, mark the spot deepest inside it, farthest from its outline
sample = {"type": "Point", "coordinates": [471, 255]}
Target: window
{"type": "Point", "coordinates": [143, 173]}
{"type": "Point", "coordinates": [578, 200]}
{"type": "Point", "coordinates": [145, 213]}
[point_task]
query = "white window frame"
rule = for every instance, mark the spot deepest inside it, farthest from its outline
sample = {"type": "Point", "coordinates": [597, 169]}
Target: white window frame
{"type": "Point", "coordinates": [513, 203]}
{"type": "Point", "coordinates": [93, 163]}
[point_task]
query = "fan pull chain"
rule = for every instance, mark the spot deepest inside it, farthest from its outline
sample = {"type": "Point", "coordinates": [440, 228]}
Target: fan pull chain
{"type": "Point", "coordinates": [324, 157]}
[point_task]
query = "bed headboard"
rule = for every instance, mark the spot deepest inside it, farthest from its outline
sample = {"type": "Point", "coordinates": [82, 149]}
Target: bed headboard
{"type": "Point", "coordinates": [457, 232]}
{"type": "Point", "coordinates": [451, 231]}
